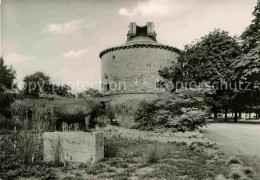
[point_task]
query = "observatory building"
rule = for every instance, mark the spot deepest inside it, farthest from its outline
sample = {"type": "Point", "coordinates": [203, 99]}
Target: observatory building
{"type": "Point", "coordinates": [132, 68]}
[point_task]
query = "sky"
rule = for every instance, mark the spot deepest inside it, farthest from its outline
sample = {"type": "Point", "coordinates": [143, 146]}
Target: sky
{"type": "Point", "coordinates": [63, 38]}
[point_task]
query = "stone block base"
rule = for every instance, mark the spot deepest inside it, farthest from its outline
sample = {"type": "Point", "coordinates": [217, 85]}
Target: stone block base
{"type": "Point", "coordinates": [73, 146]}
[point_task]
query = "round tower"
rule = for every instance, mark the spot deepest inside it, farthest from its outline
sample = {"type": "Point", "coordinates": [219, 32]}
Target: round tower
{"type": "Point", "coordinates": [132, 68]}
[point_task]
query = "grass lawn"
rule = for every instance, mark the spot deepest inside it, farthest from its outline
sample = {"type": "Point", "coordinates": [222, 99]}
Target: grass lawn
{"type": "Point", "coordinates": [125, 158]}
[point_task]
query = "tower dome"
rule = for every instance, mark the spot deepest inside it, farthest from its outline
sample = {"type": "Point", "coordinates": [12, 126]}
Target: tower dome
{"type": "Point", "coordinates": [132, 68]}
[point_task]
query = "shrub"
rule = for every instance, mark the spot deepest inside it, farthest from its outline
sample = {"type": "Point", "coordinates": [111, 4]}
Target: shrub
{"type": "Point", "coordinates": [6, 99]}
{"type": "Point", "coordinates": [7, 124]}
{"type": "Point", "coordinates": [36, 114]}
{"type": "Point", "coordinates": [21, 148]}
{"type": "Point", "coordinates": [123, 112]}
{"type": "Point", "coordinates": [182, 111]}
{"type": "Point", "coordinates": [27, 145]}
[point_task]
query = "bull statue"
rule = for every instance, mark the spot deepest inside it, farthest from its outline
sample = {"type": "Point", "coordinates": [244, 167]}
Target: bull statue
{"type": "Point", "coordinates": [82, 112]}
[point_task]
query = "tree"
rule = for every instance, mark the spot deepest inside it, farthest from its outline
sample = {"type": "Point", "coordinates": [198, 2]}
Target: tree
{"type": "Point", "coordinates": [173, 73]}
{"type": "Point", "coordinates": [89, 93]}
{"type": "Point", "coordinates": [247, 71]}
{"type": "Point", "coordinates": [208, 59]}
{"type": "Point", "coordinates": [62, 90]}
{"type": "Point", "coordinates": [7, 77]}
{"type": "Point", "coordinates": [251, 36]}
{"type": "Point", "coordinates": [37, 83]}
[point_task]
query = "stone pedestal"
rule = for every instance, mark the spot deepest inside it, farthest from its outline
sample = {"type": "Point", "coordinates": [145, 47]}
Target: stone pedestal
{"type": "Point", "coordinates": [73, 146]}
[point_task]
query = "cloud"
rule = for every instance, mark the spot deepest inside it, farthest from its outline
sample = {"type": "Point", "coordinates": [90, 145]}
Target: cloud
{"type": "Point", "coordinates": [75, 54]}
{"type": "Point", "coordinates": [152, 8]}
{"type": "Point", "coordinates": [16, 58]}
{"type": "Point", "coordinates": [68, 28]}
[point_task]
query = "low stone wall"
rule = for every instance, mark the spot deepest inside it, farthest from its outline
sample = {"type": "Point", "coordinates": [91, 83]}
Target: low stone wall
{"type": "Point", "coordinates": [73, 146]}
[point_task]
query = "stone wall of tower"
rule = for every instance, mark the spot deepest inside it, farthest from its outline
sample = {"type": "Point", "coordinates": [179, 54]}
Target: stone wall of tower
{"type": "Point", "coordinates": [134, 70]}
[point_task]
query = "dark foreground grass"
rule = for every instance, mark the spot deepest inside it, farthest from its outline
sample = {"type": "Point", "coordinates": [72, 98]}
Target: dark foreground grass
{"type": "Point", "coordinates": [126, 159]}
{"type": "Point", "coordinates": [251, 161]}
{"type": "Point", "coordinates": [179, 163]}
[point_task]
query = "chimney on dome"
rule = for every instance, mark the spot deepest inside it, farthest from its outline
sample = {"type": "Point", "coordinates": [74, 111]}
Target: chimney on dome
{"type": "Point", "coordinates": [132, 30]}
{"type": "Point", "coordinates": [147, 31]}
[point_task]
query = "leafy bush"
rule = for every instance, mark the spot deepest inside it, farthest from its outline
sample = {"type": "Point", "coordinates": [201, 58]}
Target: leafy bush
{"type": "Point", "coordinates": [26, 146]}
{"type": "Point", "coordinates": [123, 112]}
{"type": "Point", "coordinates": [7, 77]}
{"type": "Point", "coordinates": [36, 114]}
{"type": "Point", "coordinates": [184, 110]}
{"type": "Point", "coordinates": [7, 124]}
{"type": "Point", "coordinates": [21, 148]}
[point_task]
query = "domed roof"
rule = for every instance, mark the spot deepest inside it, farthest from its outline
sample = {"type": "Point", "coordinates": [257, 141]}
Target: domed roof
{"type": "Point", "coordinates": [140, 37]}
{"type": "Point", "coordinates": [141, 40]}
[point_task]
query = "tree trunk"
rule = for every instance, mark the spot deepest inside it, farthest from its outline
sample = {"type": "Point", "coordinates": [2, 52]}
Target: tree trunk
{"type": "Point", "coordinates": [235, 117]}
{"type": "Point", "coordinates": [240, 115]}
{"type": "Point", "coordinates": [215, 116]}
{"type": "Point", "coordinates": [226, 111]}
{"type": "Point", "coordinates": [249, 115]}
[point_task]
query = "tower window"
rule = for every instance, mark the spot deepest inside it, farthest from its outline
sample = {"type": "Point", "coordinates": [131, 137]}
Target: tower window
{"type": "Point", "coordinates": [107, 86]}
{"type": "Point", "coordinates": [114, 56]}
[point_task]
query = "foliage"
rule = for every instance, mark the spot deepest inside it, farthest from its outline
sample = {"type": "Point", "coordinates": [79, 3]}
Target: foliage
{"type": "Point", "coordinates": [89, 93]}
{"type": "Point", "coordinates": [251, 35]}
{"type": "Point", "coordinates": [209, 58]}
{"type": "Point", "coordinates": [247, 72]}
{"type": "Point", "coordinates": [7, 74]}
{"type": "Point", "coordinates": [7, 77]}
{"type": "Point", "coordinates": [39, 83]}
{"type": "Point", "coordinates": [183, 110]}
{"type": "Point", "coordinates": [33, 113]}
{"type": "Point", "coordinates": [7, 124]}
{"type": "Point", "coordinates": [62, 90]}
{"type": "Point", "coordinates": [22, 156]}
{"type": "Point", "coordinates": [27, 145]}
{"type": "Point", "coordinates": [123, 112]}
{"type": "Point", "coordinates": [21, 148]}
{"type": "Point", "coordinates": [37, 114]}
{"type": "Point", "coordinates": [193, 119]}
{"type": "Point", "coordinates": [247, 66]}
{"type": "Point", "coordinates": [36, 83]}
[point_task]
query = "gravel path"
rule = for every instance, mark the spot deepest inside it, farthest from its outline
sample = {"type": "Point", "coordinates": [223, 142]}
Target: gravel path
{"type": "Point", "coordinates": [235, 139]}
